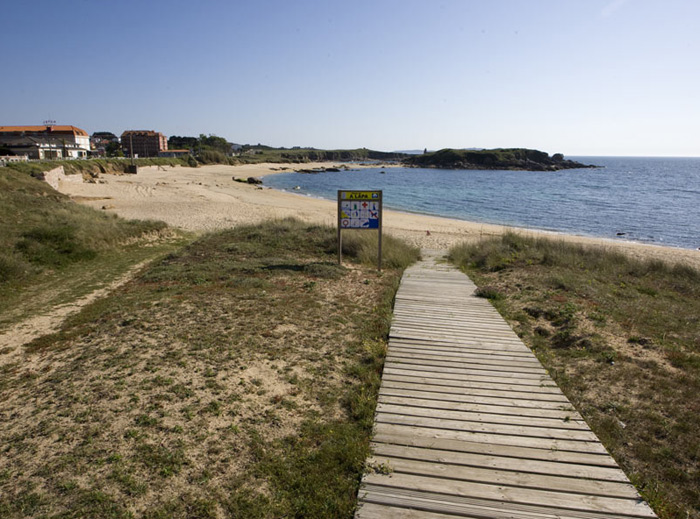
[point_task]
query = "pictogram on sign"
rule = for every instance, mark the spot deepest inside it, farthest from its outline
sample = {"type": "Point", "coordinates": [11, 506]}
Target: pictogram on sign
{"type": "Point", "coordinates": [360, 210]}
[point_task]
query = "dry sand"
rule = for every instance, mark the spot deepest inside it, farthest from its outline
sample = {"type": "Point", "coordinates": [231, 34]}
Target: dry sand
{"type": "Point", "coordinates": [206, 199]}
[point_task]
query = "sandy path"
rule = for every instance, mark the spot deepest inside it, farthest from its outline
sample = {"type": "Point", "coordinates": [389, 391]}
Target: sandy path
{"type": "Point", "coordinates": [206, 199]}
{"type": "Point", "coordinates": [50, 321]}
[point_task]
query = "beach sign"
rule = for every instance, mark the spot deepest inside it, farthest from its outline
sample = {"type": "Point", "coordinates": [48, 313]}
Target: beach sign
{"type": "Point", "coordinates": [360, 210]}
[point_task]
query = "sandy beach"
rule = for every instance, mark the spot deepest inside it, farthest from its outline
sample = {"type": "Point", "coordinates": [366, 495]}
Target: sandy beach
{"type": "Point", "coordinates": [207, 199]}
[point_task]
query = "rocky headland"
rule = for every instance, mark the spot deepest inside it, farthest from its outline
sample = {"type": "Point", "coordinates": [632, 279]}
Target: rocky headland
{"type": "Point", "coordinates": [497, 159]}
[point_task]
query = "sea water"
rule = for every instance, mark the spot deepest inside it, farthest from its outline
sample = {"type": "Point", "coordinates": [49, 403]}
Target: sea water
{"type": "Point", "coordinates": [652, 200]}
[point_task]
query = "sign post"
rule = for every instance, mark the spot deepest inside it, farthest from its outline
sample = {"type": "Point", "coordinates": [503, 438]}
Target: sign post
{"type": "Point", "coordinates": [360, 210]}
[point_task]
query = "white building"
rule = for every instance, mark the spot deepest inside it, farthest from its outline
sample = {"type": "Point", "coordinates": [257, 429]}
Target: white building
{"type": "Point", "coordinates": [46, 142]}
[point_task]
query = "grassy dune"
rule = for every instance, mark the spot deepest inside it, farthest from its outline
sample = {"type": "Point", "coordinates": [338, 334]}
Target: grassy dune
{"type": "Point", "coordinates": [93, 167]}
{"type": "Point", "coordinates": [53, 250]}
{"type": "Point", "coordinates": [236, 377]}
{"type": "Point", "coordinates": [621, 339]}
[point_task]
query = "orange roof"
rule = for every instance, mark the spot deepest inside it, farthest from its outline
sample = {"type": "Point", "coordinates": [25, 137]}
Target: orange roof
{"type": "Point", "coordinates": [42, 129]}
{"type": "Point", "coordinates": [141, 132]}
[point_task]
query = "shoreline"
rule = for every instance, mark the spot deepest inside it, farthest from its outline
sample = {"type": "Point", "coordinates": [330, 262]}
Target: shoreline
{"type": "Point", "coordinates": [207, 199]}
{"type": "Point", "coordinates": [545, 232]}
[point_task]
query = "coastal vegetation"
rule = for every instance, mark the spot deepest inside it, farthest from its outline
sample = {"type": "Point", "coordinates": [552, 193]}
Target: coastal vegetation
{"type": "Point", "coordinates": [211, 149]}
{"type": "Point", "coordinates": [236, 376]}
{"type": "Point", "coordinates": [620, 337]}
{"type": "Point", "coordinates": [93, 167]}
{"type": "Point", "coordinates": [259, 153]}
{"type": "Point", "coordinates": [52, 249]}
{"type": "Point", "coordinates": [497, 159]}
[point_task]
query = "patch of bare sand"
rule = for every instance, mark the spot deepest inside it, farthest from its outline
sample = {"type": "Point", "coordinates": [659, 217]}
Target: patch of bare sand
{"type": "Point", "coordinates": [12, 340]}
{"type": "Point", "coordinates": [207, 199]}
{"type": "Point", "coordinates": [161, 399]}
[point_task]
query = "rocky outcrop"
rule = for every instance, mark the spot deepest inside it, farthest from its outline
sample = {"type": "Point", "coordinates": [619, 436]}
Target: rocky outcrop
{"type": "Point", "coordinates": [508, 159]}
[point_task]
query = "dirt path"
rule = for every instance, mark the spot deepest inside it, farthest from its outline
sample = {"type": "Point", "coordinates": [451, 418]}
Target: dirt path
{"type": "Point", "coordinates": [13, 340]}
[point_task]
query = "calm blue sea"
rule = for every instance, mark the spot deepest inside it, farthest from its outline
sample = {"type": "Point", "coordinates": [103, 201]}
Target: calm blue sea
{"type": "Point", "coordinates": [651, 200]}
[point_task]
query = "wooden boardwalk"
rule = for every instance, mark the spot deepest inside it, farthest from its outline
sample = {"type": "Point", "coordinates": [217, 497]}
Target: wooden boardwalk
{"type": "Point", "coordinates": [469, 424]}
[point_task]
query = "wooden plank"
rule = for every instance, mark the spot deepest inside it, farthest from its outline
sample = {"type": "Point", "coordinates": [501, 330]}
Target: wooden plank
{"type": "Point", "coordinates": [516, 464]}
{"type": "Point", "coordinates": [513, 478]}
{"type": "Point", "coordinates": [462, 354]}
{"type": "Point", "coordinates": [368, 510]}
{"type": "Point", "coordinates": [564, 500]}
{"type": "Point", "coordinates": [504, 377]}
{"type": "Point", "coordinates": [584, 441]}
{"type": "Point", "coordinates": [456, 394]}
{"type": "Point", "coordinates": [401, 508]}
{"type": "Point", "coordinates": [527, 376]}
{"type": "Point", "coordinates": [464, 308]}
{"type": "Point", "coordinates": [487, 364]}
{"type": "Point", "coordinates": [429, 333]}
{"type": "Point", "coordinates": [417, 401]}
{"type": "Point", "coordinates": [404, 316]}
{"type": "Point", "coordinates": [390, 502]}
{"type": "Point", "coordinates": [450, 322]}
{"type": "Point", "coordinates": [444, 440]}
{"type": "Point", "coordinates": [474, 416]}
{"type": "Point", "coordinates": [468, 384]}
{"type": "Point", "coordinates": [516, 345]}
{"type": "Point", "coordinates": [446, 312]}
{"type": "Point", "coordinates": [464, 347]}
{"type": "Point", "coordinates": [466, 344]}
{"type": "Point", "coordinates": [530, 377]}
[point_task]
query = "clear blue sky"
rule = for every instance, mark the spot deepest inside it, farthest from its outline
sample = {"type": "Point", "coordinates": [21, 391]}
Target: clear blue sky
{"type": "Point", "coordinates": [580, 77]}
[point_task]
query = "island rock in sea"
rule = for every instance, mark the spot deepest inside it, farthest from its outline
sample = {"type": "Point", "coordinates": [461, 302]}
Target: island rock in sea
{"type": "Point", "coordinates": [500, 158]}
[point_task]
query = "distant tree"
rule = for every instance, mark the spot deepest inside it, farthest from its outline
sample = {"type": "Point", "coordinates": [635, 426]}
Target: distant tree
{"type": "Point", "coordinates": [114, 149]}
{"type": "Point", "coordinates": [107, 136]}
{"type": "Point", "coordinates": [215, 143]}
{"type": "Point", "coordinates": [182, 143]}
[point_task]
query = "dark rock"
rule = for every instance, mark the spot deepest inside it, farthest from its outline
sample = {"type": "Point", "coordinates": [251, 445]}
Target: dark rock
{"type": "Point", "coordinates": [254, 180]}
{"type": "Point", "coordinates": [498, 159]}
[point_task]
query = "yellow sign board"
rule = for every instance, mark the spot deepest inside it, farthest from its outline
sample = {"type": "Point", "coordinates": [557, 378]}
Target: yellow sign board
{"type": "Point", "coordinates": [360, 210]}
{"type": "Point", "coordinates": [360, 195]}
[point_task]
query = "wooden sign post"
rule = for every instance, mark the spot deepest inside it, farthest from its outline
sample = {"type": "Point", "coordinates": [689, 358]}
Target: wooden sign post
{"type": "Point", "coordinates": [360, 210]}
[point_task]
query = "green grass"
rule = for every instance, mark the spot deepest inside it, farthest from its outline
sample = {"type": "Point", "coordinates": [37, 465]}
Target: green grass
{"type": "Point", "coordinates": [236, 377]}
{"type": "Point", "coordinates": [42, 229]}
{"type": "Point", "coordinates": [48, 243]}
{"type": "Point", "coordinates": [92, 167]}
{"type": "Point", "coordinates": [620, 336]}
{"type": "Point", "coordinates": [257, 154]}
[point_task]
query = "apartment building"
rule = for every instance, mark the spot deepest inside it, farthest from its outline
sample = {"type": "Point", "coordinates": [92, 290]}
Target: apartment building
{"type": "Point", "coordinates": [143, 143]}
{"type": "Point", "coordinates": [46, 142]}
